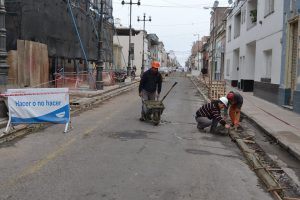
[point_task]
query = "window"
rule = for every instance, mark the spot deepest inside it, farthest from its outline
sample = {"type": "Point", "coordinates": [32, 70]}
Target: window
{"type": "Point", "coordinates": [252, 14]}
{"type": "Point", "coordinates": [243, 16]}
{"type": "Point", "coordinates": [292, 5]}
{"type": "Point", "coordinates": [229, 33]}
{"type": "Point", "coordinates": [237, 25]}
{"type": "Point", "coordinates": [268, 63]}
{"type": "Point", "coordinates": [269, 7]}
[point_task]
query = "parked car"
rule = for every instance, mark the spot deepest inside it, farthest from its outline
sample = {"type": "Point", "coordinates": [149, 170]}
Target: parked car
{"type": "Point", "coordinates": [164, 71]}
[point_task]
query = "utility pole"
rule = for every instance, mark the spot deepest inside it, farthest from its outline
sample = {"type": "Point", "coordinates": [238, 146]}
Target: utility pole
{"type": "Point", "coordinates": [99, 82]}
{"type": "Point", "coordinates": [3, 53]}
{"type": "Point", "coordinates": [143, 58]}
{"type": "Point", "coordinates": [130, 47]}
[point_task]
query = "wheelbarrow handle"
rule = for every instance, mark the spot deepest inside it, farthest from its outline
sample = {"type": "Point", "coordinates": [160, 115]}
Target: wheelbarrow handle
{"type": "Point", "coordinates": [168, 92]}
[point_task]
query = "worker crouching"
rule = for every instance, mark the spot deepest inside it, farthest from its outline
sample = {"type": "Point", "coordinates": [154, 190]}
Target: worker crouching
{"type": "Point", "coordinates": [210, 115]}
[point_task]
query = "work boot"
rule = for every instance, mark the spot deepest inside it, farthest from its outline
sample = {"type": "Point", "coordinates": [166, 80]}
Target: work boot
{"type": "Point", "coordinates": [142, 118]}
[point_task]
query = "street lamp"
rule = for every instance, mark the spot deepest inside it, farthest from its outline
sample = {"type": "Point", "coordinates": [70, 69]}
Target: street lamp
{"type": "Point", "coordinates": [198, 50]}
{"type": "Point", "coordinates": [100, 61]}
{"type": "Point", "coordinates": [130, 47]}
{"type": "Point", "coordinates": [3, 53]}
{"type": "Point", "coordinates": [143, 20]}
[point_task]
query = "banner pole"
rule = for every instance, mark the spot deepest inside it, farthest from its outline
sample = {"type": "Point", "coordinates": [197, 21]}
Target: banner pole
{"type": "Point", "coordinates": [66, 127]}
{"type": "Point", "coordinates": [8, 124]}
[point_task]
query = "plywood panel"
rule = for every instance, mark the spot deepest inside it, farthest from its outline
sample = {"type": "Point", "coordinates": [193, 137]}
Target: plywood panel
{"type": "Point", "coordinates": [45, 67]}
{"type": "Point", "coordinates": [12, 61]}
{"type": "Point", "coordinates": [33, 64]}
{"type": "Point", "coordinates": [20, 68]}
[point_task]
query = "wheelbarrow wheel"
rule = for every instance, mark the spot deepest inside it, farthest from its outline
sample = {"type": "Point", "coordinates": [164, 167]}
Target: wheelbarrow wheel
{"type": "Point", "coordinates": [156, 118]}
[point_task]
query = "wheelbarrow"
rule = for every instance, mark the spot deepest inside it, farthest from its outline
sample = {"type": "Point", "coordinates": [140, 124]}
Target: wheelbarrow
{"type": "Point", "coordinates": [155, 108]}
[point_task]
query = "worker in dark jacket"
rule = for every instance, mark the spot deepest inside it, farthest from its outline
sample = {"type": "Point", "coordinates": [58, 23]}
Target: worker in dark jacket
{"type": "Point", "coordinates": [150, 86]}
{"type": "Point", "coordinates": [210, 115]}
{"type": "Point", "coordinates": [235, 105]}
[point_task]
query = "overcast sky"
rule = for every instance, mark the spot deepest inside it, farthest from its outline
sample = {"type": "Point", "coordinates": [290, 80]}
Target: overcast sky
{"type": "Point", "coordinates": [174, 21]}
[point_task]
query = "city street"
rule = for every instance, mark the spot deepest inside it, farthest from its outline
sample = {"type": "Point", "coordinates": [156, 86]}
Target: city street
{"type": "Point", "coordinates": [111, 155]}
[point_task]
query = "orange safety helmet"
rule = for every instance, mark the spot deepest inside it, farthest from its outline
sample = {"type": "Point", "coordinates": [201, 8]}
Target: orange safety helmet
{"type": "Point", "coordinates": [155, 64]}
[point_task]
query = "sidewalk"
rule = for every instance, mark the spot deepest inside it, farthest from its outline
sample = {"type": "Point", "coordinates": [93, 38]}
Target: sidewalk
{"type": "Point", "coordinates": [281, 124]}
{"type": "Point", "coordinates": [93, 93]}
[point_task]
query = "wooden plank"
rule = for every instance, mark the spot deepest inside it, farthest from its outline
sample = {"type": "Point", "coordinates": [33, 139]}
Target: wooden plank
{"type": "Point", "coordinates": [27, 63]}
{"type": "Point", "coordinates": [45, 66]}
{"type": "Point", "coordinates": [290, 198]}
{"type": "Point", "coordinates": [20, 62]}
{"type": "Point", "coordinates": [33, 64]}
{"type": "Point", "coordinates": [12, 61]}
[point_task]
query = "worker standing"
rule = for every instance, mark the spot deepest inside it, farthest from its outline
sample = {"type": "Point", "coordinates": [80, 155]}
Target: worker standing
{"type": "Point", "coordinates": [150, 86]}
{"type": "Point", "coordinates": [235, 104]}
{"type": "Point", "coordinates": [210, 115]}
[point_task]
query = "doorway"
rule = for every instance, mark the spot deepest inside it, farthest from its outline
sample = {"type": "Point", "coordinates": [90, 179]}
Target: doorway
{"type": "Point", "coordinates": [291, 72]}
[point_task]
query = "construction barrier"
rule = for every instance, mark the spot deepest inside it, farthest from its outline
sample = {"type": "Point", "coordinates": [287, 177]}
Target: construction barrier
{"type": "Point", "coordinates": [217, 89]}
{"type": "Point", "coordinates": [85, 80]}
{"type": "Point", "coordinates": [73, 80]}
{"type": "Point", "coordinates": [38, 105]}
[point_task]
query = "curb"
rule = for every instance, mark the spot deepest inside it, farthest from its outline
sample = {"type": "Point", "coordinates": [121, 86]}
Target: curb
{"type": "Point", "coordinates": [107, 91]}
{"type": "Point", "coordinates": [204, 96]}
{"type": "Point", "coordinates": [269, 133]}
{"type": "Point", "coordinates": [263, 129]}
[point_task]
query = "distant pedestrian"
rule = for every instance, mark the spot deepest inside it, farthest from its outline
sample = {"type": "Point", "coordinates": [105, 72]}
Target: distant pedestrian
{"type": "Point", "coordinates": [150, 86]}
{"type": "Point", "coordinates": [210, 115]}
{"type": "Point", "coordinates": [235, 104]}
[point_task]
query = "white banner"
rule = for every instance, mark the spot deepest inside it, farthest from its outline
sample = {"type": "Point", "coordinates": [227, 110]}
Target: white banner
{"type": "Point", "coordinates": [28, 106]}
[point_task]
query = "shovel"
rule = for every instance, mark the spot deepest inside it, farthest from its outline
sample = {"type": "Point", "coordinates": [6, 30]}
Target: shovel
{"type": "Point", "coordinates": [168, 92]}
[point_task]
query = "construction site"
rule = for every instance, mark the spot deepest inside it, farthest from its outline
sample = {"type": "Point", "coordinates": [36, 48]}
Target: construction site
{"type": "Point", "coordinates": [46, 52]}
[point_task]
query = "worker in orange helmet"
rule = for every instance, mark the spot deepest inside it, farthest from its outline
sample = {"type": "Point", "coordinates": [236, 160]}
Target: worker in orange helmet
{"type": "Point", "coordinates": [235, 104]}
{"type": "Point", "coordinates": [150, 86]}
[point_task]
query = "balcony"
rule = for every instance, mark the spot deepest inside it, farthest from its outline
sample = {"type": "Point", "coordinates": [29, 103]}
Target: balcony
{"type": "Point", "coordinates": [252, 14]}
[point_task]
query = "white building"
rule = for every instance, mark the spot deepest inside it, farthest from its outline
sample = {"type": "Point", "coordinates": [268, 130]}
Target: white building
{"type": "Point", "coordinates": [122, 39]}
{"type": "Point", "coordinates": [253, 46]}
{"type": "Point", "coordinates": [162, 57]}
{"type": "Point", "coordinates": [198, 61]}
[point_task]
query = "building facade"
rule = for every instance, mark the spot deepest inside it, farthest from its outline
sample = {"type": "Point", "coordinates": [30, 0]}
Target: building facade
{"type": "Point", "coordinates": [216, 37]}
{"type": "Point", "coordinates": [122, 39]}
{"type": "Point", "coordinates": [205, 55]}
{"type": "Point", "coordinates": [218, 73]}
{"type": "Point", "coordinates": [196, 55]}
{"type": "Point", "coordinates": [153, 48]}
{"type": "Point", "coordinates": [54, 22]}
{"type": "Point", "coordinates": [289, 90]}
{"type": "Point", "coordinates": [254, 47]}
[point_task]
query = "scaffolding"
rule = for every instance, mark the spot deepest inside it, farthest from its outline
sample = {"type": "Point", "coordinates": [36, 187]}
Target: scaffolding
{"type": "Point", "coordinates": [72, 37]}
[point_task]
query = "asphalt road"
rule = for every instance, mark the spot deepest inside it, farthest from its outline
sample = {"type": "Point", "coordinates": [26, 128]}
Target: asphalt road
{"type": "Point", "coordinates": [111, 155]}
